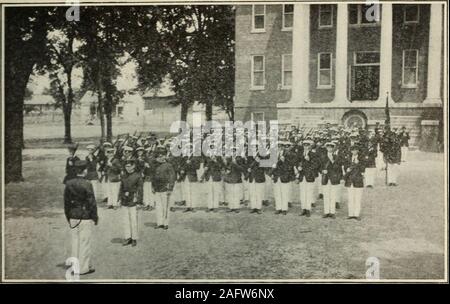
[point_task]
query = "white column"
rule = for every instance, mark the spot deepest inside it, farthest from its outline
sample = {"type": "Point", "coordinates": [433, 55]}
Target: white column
{"type": "Point", "coordinates": [300, 54]}
{"type": "Point", "coordinates": [434, 55]}
{"type": "Point", "coordinates": [385, 52]}
{"type": "Point", "coordinates": [340, 90]}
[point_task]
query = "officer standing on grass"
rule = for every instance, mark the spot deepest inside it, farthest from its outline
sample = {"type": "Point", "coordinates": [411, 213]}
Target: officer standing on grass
{"type": "Point", "coordinates": [80, 210]}
{"type": "Point", "coordinates": [70, 163]}
{"type": "Point", "coordinates": [163, 182]}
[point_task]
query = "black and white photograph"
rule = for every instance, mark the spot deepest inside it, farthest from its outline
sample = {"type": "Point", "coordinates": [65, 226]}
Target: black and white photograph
{"type": "Point", "coordinates": [224, 142]}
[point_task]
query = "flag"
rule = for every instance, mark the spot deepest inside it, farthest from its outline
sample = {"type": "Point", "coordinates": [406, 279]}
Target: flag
{"type": "Point", "coordinates": [387, 121]}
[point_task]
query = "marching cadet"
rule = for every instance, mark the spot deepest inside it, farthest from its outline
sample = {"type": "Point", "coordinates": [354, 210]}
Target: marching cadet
{"type": "Point", "coordinates": [354, 181]}
{"type": "Point", "coordinates": [391, 148]}
{"type": "Point", "coordinates": [307, 168]}
{"type": "Point", "coordinates": [113, 168]}
{"type": "Point", "coordinates": [129, 196]}
{"type": "Point", "coordinates": [150, 165]}
{"type": "Point", "coordinates": [70, 163]}
{"type": "Point", "coordinates": [163, 182]}
{"type": "Point", "coordinates": [282, 174]}
{"type": "Point", "coordinates": [404, 141]}
{"type": "Point", "coordinates": [321, 152]}
{"type": "Point", "coordinates": [92, 174]}
{"type": "Point", "coordinates": [331, 168]}
{"type": "Point", "coordinates": [213, 177]}
{"type": "Point", "coordinates": [80, 210]}
{"type": "Point", "coordinates": [233, 181]}
{"type": "Point", "coordinates": [257, 180]}
{"type": "Point", "coordinates": [370, 160]}
{"type": "Point", "coordinates": [189, 168]}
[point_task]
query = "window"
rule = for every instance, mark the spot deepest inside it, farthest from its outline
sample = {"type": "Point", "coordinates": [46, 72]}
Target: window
{"type": "Point", "coordinates": [366, 58]}
{"type": "Point", "coordinates": [362, 14]}
{"type": "Point", "coordinates": [324, 73]}
{"type": "Point", "coordinates": [288, 16]}
{"type": "Point", "coordinates": [259, 15]}
{"type": "Point", "coordinates": [325, 15]}
{"type": "Point", "coordinates": [286, 71]}
{"type": "Point", "coordinates": [258, 73]}
{"type": "Point", "coordinates": [365, 76]}
{"type": "Point", "coordinates": [410, 68]}
{"type": "Point", "coordinates": [411, 13]}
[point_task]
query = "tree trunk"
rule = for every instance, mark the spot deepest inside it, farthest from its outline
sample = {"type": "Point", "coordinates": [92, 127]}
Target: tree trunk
{"type": "Point", "coordinates": [184, 111]}
{"type": "Point", "coordinates": [67, 125]}
{"type": "Point", "coordinates": [108, 112]}
{"type": "Point", "coordinates": [101, 115]}
{"type": "Point", "coordinates": [209, 110]}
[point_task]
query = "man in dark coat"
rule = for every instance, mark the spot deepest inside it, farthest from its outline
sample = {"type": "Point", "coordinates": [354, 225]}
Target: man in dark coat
{"type": "Point", "coordinates": [80, 210]}
{"type": "Point", "coordinates": [70, 163]}
{"type": "Point", "coordinates": [331, 169]}
{"type": "Point", "coordinates": [307, 168]}
{"type": "Point", "coordinates": [213, 178]}
{"type": "Point", "coordinates": [130, 194]}
{"type": "Point", "coordinates": [354, 181]}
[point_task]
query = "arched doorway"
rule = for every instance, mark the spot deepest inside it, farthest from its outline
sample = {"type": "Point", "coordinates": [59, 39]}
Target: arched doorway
{"type": "Point", "coordinates": [354, 118]}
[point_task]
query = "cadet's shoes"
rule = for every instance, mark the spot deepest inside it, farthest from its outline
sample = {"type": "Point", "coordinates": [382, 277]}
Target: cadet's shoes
{"type": "Point", "coordinates": [333, 216]}
{"type": "Point", "coordinates": [187, 210]}
{"type": "Point", "coordinates": [278, 212]}
{"type": "Point", "coordinates": [325, 215]}
{"type": "Point", "coordinates": [133, 243]}
{"type": "Point", "coordinates": [320, 196]}
{"type": "Point", "coordinates": [369, 186]}
{"type": "Point", "coordinates": [308, 213]}
{"type": "Point", "coordinates": [259, 211]}
{"type": "Point", "coordinates": [160, 226]}
{"type": "Point", "coordinates": [166, 227]}
{"type": "Point", "coordinates": [127, 242]}
{"type": "Point", "coordinates": [230, 210]}
{"type": "Point", "coordinates": [110, 207]}
{"type": "Point", "coordinates": [338, 206]}
{"type": "Point", "coordinates": [303, 212]}
{"type": "Point", "coordinates": [357, 218]}
{"type": "Point", "coordinates": [253, 211]}
{"type": "Point", "coordinates": [236, 210]}
{"type": "Point", "coordinates": [284, 212]}
{"type": "Point", "coordinates": [350, 217]}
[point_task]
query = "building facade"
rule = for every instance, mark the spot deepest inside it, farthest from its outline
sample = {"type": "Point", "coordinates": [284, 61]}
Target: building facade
{"type": "Point", "coordinates": [311, 64]}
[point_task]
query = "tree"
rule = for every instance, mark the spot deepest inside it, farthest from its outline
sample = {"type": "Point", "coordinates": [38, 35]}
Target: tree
{"type": "Point", "coordinates": [25, 32]}
{"type": "Point", "coordinates": [61, 60]}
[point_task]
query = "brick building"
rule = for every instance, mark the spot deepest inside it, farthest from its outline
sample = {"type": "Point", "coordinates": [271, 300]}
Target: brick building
{"type": "Point", "coordinates": [310, 64]}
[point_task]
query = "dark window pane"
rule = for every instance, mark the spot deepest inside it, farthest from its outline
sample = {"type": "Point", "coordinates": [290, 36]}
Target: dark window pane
{"type": "Point", "coordinates": [259, 9]}
{"type": "Point", "coordinates": [259, 22]}
{"type": "Point", "coordinates": [288, 20]}
{"type": "Point", "coordinates": [325, 61]}
{"type": "Point", "coordinates": [258, 78]}
{"type": "Point", "coordinates": [289, 8]}
{"type": "Point", "coordinates": [410, 58]}
{"type": "Point", "coordinates": [287, 78]}
{"type": "Point", "coordinates": [258, 63]}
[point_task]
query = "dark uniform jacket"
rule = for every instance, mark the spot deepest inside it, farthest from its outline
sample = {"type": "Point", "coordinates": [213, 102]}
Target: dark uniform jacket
{"type": "Point", "coordinates": [308, 169]}
{"type": "Point", "coordinates": [404, 139]}
{"type": "Point", "coordinates": [70, 169]}
{"type": "Point", "coordinates": [150, 166]}
{"type": "Point", "coordinates": [164, 178]}
{"type": "Point", "coordinates": [283, 171]}
{"type": "Point", "coordinates": [213, 169]}
{"type": "Point", "coordinates": [333, 168]}
{"type": "Point", "coordinates": [79, 200]}
{"type": "Point", "coordinates": [113, 170]}
{"type": "Point", "coordinates": [391, 148]}
{"type": "Point", "coordinates": [371, 153]}
{"type": "Point", "coordinates": [257, 173]}
{"type": "Point", "coordinates": [92, 167]}
{"type": "Point", "coordinates": [189, 168]}
{"type": "Point", "coordinates": [233, 172]}
{"type": "Point", "coordinates": [355, 176]}
{"type": "Point", "coordinates": [130, 192]}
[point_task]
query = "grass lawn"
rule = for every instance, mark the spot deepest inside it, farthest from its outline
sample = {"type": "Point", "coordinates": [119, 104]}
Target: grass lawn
{"type": "Point", "coordinates": [402, 226]}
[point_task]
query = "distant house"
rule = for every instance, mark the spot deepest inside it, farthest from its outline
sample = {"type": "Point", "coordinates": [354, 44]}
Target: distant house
{"type": "Point", "coordinates": [39, 104]}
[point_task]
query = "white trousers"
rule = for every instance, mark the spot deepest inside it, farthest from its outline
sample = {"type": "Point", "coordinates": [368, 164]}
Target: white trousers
{"type": "Point", "coordinates": [380, 161]}
{"type": "Point", "coordinates": [282, 195]}
{"type": "Point", "coordinates": [369, 176]}
{"type": "Point", "coordinates": [130, 225]}
{"type": "Point", "coordinates": [81, 243]}
{"type": "Point", "coordinates": [189, 192]}
{"type": "Point", "coordinates": [318, 186]}
{"type": "Point", "coordinates": [330, 197]}
{"type": "Point", "coordinates": [256, 191]}
{"type": "Point", "coordinates": [96, 187]}
{"type": "Point", "coordinates": [113, 194]}
{"type": "Point", "coordinates": [306, 194]}
{"type": "Point", "coordinates": [233, 195]}
{"type": "Point", "coordinates": [215, 194]}
{"type": "Point", "coordinates": [245, 190]}
{"type": "Point", "coordinates": [162, 209]}
{"type": "Point", "coordinates": [354, 200]}
{"type": "Point", "coordinates": [268, 192]}
{"type": "Point", "coordinates": [404, 153]}
{"type": "Point", "coordinates": [392, 173]}
{"type": "Point", "coordinates": [177, 193]}
{"type": "Point", "coordinates": [149, 197]}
